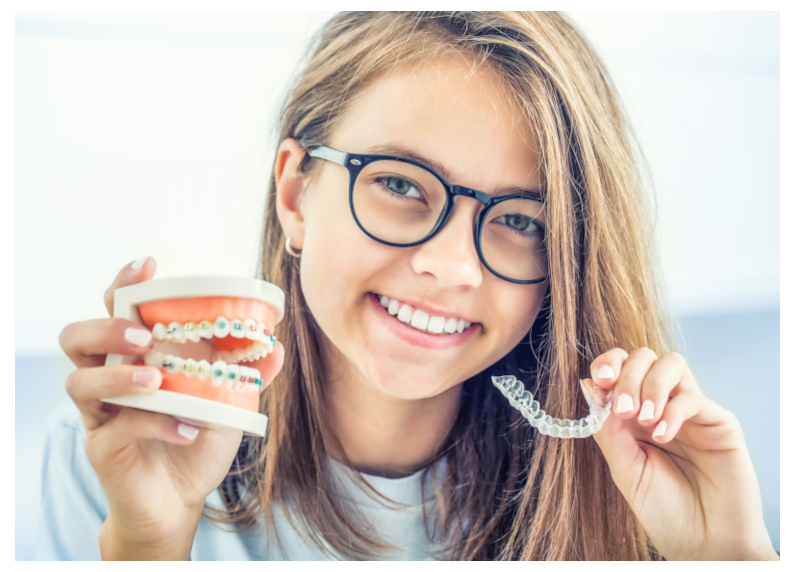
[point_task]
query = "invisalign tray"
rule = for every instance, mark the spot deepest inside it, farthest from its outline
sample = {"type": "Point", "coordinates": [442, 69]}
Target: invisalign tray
{"type": "Point", "coordinates": [523, 401]}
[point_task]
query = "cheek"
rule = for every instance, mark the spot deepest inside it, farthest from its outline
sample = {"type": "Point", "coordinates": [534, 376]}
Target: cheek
{"type": "Point", "coordinates": [516, 309]}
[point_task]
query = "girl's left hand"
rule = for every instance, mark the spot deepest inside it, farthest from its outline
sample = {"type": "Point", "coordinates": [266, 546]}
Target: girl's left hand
{"type": "Point", "coordinates": [679, 459]}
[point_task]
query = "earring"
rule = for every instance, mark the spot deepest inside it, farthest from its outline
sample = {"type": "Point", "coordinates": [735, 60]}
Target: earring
{"type": "Point", "coordinates": [289, 250]}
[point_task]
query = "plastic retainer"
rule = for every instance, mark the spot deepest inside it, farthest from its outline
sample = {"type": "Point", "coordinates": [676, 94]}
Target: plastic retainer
{"type": "Point", "coordinates": [523, 401]}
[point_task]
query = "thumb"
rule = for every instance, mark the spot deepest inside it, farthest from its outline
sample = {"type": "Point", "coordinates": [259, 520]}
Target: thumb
{"type": "Point", "coordinates": [621, 451]}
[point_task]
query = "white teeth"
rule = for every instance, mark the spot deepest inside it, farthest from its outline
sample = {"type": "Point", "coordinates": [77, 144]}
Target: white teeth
{"type": "Point", "coordinates": [191, 332]}
{"type": "Point", "coordinates": [203, 369]}
{"type": "Point", "coordinates": [221, 327]}
{"type": "Point", "coordinates": [252, 352]}
{"type": "Point", "coordinates": [189, 367]}
{"type": "Point", "coordinates": [435, 324]}
{"type": "Point", "coordinates": [232, 373]}
{"type": "Point", "coordinates": [218, 372]}
{"type": "Point", "coordinates": [177, 362]}
{"type": "Point", "coordinates": [159, 331]}
{"type": "Point", "coordinates": [404, 315]}
{"type": "Point", "coordinates": [419, 320]}
{"type": "Point", "coordinates": [206, 330]}
{"type": "Point", "coordinates": [250, 329]}
{"type": "Point", "coordinates": [236, 376]}
{"type": "Point", "coordinates": [175, 332]}
{"type": "Point", "coordinates": [236, 330]}
{"type": "Point", "coordinates": [153, 358]}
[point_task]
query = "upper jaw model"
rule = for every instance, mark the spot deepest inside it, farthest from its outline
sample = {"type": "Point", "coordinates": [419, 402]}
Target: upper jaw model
{"type": "Point", "coordinates": [213, 341]}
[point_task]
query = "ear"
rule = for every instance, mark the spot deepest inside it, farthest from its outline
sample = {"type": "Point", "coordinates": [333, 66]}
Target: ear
{"type": "Point", "coordinates": [289, 190]}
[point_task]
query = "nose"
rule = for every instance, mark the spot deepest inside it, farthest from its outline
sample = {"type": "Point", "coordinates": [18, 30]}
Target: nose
{"type": "Point", "coordinates": [450, 255]}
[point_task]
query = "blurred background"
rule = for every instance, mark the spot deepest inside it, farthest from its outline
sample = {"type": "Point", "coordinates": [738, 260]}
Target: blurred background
{"type": "Point", "coordinates": [135, 132]}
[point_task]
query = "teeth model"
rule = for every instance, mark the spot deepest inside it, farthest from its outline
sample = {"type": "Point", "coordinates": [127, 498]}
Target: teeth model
{"type": "Point", "coordinates": [522, 400]}
{"type": "Point", "coordinates": [235, 330]}
{"type": "Point", "coordinates": [419, 320]}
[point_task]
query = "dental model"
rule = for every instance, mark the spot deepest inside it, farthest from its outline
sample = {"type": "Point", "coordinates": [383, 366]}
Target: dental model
{"type": "Point", "coordinates": [523, 401]}
{"type": "Point", "coordinates": [207, 333]}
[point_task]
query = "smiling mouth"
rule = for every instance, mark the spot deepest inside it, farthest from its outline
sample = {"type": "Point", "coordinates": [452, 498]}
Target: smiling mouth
{"type": "Point", "coordinates": [419, 320]}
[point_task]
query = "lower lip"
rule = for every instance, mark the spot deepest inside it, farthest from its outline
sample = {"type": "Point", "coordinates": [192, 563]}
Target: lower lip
{"type": "Point", "coordinates": [415, 336]}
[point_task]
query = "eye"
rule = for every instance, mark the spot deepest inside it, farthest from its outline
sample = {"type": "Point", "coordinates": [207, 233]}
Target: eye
{"type": "Point", "coordinates": [519, 223]}
{"type": "Point", "coordinates": [401, 187]}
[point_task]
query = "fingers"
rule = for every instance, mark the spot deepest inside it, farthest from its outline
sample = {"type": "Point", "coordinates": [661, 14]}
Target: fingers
{"type": "Point", "coordinates": [270, 365]}
{"type": "Point", "coordinates": [685, 405]}
{"type": "Point", "coordinates": [109, 447]}
{"type": "Point", "coordinates": [620, 449]}
{"type": "Point", "coordinates": [87, 343]}
{"type": "Point", "coordinates": [135, 272]}
{"type": "Point", "coordinates": [86, 386]}
{"type": "Point", "coordinates": [659, 384]}
{"type": "Point", "coordinates": [606, 368]}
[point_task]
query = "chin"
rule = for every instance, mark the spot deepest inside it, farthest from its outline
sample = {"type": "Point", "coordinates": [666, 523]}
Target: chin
{"type": "Point", "coordinates": [410, 382]}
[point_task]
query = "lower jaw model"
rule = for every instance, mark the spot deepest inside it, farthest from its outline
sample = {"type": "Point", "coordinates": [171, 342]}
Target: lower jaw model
{"type": "Point", "coordinates": [206, 346]}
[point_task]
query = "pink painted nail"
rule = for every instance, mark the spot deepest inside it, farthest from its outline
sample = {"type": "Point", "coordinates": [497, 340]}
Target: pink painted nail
{"type": "Point", "coordinates": [625, 403]}
{"type": "Point", "coordinates": [605, 372]}
{"type": "Point", "coordinates": [146, 377]}
{"type": "Point", "coordinates": [646, 410]}
{"type": "Point", "coordinates": [660, 430]}
{"type": "Point", "coordinates": [138, 336]}
{"type": "Point", "coordinates": [187, 431]}
{"type": "Point", "coordinates": [138, 264]}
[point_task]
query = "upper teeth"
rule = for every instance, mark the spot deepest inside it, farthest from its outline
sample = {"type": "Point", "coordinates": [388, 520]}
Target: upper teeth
{"type": "Point", "coordinates": [176, 332]}
{"type": "Point", "coordinates": [422, 321]}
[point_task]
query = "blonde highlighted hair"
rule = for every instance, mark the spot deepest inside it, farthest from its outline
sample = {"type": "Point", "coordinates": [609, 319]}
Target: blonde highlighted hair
{"type": "Point", "coordinates": [516, 494]}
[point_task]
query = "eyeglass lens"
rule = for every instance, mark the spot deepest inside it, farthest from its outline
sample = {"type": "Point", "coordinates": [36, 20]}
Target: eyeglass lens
{"type": "Point", "coordinates": [400, 203]}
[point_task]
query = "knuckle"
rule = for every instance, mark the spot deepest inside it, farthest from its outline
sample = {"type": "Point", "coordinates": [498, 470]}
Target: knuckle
{"type": "Point", "coordinates": [72, 383]}
{"type": "Point", "coordinates": [674, 357]}
{"type": "Point", "coordinates": [645, 353]}
{"type": "Point", "coordinates": [65, 338]}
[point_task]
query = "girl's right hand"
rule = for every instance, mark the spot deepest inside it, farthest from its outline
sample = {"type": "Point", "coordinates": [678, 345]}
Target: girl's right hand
{"type": "Point", "coordinates": [155, 471]}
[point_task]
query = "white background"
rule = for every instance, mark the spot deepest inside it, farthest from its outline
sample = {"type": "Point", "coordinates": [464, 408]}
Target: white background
{"type": "Point", "coordinates": [153, 134]}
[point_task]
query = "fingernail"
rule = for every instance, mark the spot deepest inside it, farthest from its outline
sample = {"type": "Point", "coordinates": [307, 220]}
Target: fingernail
{"type": "Point", "coordinates": [625, 403]}
{"type": "Point", "coordinates": [146, 377]}
{"type": "Point", "coordinates": [187, 431]}
{"type": "Point", "coordinates": [138, 336]}
{"type": "Point", "coordinates": [660, 430]}
{"type": "Point", "coordinates": [585, 393]}
{"type": "Point", "coordinates": [605, 372]}
{"type": "Point", "coordinates": [138, 264]}
{"type": "Point", "coordinates": [646, 410]}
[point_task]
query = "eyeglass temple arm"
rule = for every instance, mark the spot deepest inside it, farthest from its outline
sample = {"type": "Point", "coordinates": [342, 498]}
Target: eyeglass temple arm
{"type": "Point", "coordinates": [329, 154]}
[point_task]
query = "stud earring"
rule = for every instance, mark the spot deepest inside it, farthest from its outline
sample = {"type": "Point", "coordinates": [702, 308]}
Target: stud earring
{"type": "Point", "coordinates": [289, 250]}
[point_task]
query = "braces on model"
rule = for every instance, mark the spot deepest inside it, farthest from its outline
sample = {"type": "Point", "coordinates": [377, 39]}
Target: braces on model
{"type": "Point", "coordinates": [522, 400]}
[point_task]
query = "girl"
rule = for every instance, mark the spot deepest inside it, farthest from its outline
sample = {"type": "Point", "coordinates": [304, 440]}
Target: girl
{"type": "Point", "coordinates": [454, 196]}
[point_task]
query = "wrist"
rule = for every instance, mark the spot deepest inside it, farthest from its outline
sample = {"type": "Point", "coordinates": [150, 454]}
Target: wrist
{"type": "Point", "coordinates": [118, 541]}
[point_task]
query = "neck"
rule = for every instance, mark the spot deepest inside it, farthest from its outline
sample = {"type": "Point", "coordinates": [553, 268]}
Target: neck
{"type": "Point", "coordinates": [381, 434]}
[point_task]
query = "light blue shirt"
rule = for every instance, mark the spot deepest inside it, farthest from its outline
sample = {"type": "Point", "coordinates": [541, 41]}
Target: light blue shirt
{"type": "Point", "coordinates": [73, 508]}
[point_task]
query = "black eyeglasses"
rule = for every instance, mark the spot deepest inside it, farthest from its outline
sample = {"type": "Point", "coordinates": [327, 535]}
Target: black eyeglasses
{"type": "Point", "coordinates": [401, 202]}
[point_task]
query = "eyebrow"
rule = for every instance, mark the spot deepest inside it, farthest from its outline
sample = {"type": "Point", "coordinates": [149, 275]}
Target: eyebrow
{"type": "Point", "coordinates": [396, 150]}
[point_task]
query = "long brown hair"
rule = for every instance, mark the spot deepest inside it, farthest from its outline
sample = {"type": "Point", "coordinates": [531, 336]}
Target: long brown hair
{"type": "Point", "coordinates": [517, 494]}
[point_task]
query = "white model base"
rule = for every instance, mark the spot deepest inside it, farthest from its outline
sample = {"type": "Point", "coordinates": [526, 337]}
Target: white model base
{"type": "Point", "coordinates": [196, 411]}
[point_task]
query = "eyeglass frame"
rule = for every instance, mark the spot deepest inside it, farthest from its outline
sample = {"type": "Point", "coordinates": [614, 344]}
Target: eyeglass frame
{"type": "Point", "coordinates": [355, 162]}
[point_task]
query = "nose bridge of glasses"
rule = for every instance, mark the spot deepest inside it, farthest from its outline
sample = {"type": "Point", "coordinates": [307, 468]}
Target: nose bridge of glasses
{"type": "Point", "coordinates": [459, 191]}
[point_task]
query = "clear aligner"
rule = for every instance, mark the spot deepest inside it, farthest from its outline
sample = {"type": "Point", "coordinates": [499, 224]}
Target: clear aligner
{"type": "Point", "coordinates": [523, 401]}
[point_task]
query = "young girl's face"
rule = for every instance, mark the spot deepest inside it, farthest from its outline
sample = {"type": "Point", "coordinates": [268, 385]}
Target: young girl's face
{"type": "Point", "coordinates": [458, 118]}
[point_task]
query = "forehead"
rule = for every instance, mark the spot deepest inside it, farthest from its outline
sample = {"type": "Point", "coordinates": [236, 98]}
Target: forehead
{"type": "Point", "coordinates": [451, 111]}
